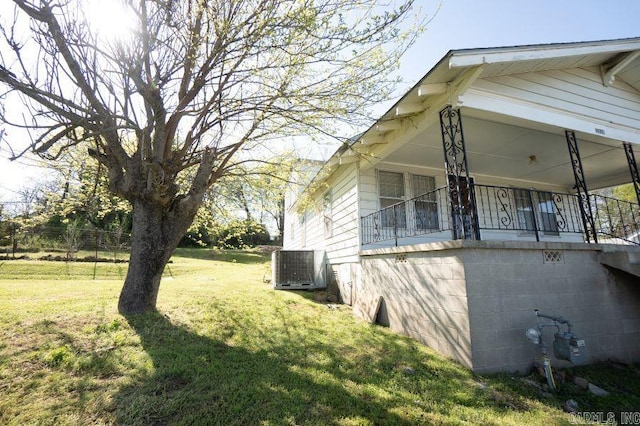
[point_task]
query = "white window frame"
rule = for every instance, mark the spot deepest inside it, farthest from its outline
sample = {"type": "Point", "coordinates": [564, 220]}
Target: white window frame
{"type": "Point", "coordinates": [327, 213]}
{"type": "Point", "coordinates": [386, 220]}
{"type": "Point", "coordinates": [303, 229]}
{"type": "Point", "coordinates": [409, 192]}
{"type": "Point", "coordinates": [537, 210]}
{"type": "Point", "coordinates": [429, 207]}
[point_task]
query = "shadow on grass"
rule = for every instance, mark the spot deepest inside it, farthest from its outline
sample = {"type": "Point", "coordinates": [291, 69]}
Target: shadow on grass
{"type": "Point", "coordinates": [235, 256]}
{"type": "Point", "coordinates": [198, 380]}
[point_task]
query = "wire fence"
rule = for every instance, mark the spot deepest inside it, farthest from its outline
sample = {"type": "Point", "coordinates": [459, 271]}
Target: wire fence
{"type": "Point", "coordinates": [68, 241]}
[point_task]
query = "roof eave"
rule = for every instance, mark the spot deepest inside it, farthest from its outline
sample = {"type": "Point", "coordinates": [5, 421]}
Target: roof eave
{"type": "Point", "coordinates": [475, 57]}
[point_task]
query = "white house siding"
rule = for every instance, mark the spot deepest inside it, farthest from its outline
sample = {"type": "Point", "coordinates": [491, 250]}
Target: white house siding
{"type": "Point", "coordinates": [368, 192]}
{"type": "Point", "coordinates": [341, 244]}
{"type": "Point", "coordinates": [288, 239]}
{"type": "Point", "coordinates": [294, 230]}
{"type": "Point", "coordinates": [574, 91]}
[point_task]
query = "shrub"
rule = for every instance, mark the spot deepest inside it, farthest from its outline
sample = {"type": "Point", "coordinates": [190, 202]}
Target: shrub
{"type": "Point", "coordinates": [196, 238]}
{"type": "Point", "coordinates": [241, 234]}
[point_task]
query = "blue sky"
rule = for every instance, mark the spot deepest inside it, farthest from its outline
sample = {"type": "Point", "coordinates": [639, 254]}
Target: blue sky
{"type": "Point", "coordinates": [461, 24]}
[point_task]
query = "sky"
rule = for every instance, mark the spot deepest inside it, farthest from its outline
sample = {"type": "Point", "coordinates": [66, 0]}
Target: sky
{"type": "Point", "coordinates": [460, 24]}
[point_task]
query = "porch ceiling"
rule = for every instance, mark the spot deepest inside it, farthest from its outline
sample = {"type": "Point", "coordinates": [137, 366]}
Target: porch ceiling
{"type": "Point", "coordinates": [501, 146]}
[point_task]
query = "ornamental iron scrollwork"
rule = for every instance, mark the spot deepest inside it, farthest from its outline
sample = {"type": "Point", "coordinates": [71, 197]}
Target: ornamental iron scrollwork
{"type": "Point", "coordinates": [586, 212]}
{"type": "Point", "coordinates": [506, 219]}
{"type": "Point", "coordinates": [464, 215]}
{"type": "Point", "coordinates": [377, 227]}
{"type": "Point", "coordinates": [561, 221]}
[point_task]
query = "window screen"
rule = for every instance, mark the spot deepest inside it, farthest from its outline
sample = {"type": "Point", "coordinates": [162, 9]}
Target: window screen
{"type": "Point", "coordinates": [423, 184]}
{"type": "Point", "coordinates": [391, 184]}
{"type": "Point", "coordinates": [391, 188]}
{"type": "Point", "coordinates": [425, 206]}
{"type": "Point", "coordinates": [524, 210]}
{"type": "Point", "coordinates": [547, 210]}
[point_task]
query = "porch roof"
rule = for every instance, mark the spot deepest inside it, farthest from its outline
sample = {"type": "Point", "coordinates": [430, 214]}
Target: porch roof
{"type": "Point", "coordinates": [507, 139]}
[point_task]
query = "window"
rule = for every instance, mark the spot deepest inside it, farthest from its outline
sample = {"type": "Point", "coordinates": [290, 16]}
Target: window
{"type": "Point", "coordinates": [391, 189]}
{"type": "Point", "coordinates": [425, 204]}
{"type": "Point", "coordinates": [524, 210]}
{"type": "Point", "coordinates": [544, 210]}
{"type": "Point", "coordinates": [421, 209]}
{"type": "Point", "coordinates": [547, 209]}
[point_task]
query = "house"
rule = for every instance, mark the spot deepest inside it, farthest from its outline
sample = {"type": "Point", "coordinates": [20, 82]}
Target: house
{"type": "Point", "coordinates": [471, 202]}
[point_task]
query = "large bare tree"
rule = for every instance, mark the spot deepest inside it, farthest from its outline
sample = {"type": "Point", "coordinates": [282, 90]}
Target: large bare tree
{"type": "Point", "coordinates": [198, 83]}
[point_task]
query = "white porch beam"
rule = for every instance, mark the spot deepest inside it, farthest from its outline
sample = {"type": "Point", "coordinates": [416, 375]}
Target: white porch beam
{"type": "Point", "coordinates": [428, 117]}
{"type": "Point", "coordinates": [463, 84]}
{"type": "Point", "coordinates": [432, 89]}
{"type": "Point", "coordinates": [610, 76]}
{"type": "Point", "coordinates": [387, 126]}
{"type": "Point", "coordinates": [405, 109]}
{"type": "Point", "coordinates": [414, 127]}
{"type": "Point", "coordinates": [503, 105]}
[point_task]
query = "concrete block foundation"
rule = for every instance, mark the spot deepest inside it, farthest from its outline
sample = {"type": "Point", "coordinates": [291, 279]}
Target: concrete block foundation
{"type": "Point", "coordinates": [473, 300]}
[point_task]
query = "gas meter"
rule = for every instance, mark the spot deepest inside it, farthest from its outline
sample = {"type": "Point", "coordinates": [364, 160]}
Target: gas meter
{"type": "Point", "coordinates": [569, 348]}
{"type": "Point", "coordinates": [566, 345]}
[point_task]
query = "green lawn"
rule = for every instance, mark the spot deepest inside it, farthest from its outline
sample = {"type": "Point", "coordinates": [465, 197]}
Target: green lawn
{"type": "Point", "coordinates": [227, 349]}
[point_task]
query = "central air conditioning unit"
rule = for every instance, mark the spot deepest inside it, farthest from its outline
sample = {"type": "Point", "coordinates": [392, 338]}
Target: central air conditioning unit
{"type": "Point", "coordinates": [298, 269]}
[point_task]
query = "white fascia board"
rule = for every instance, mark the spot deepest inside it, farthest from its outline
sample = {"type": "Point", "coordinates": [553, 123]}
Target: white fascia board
{"type": "Point", "coordinates": [466, 59]}
{"type": "Point", "coordinates": [485, 101]}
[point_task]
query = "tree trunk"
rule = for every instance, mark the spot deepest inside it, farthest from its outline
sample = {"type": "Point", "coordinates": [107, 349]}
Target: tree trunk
{"type": "Point", "coordinates": [154, 237]}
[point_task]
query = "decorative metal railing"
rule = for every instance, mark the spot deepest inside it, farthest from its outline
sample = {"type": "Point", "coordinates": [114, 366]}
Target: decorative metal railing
{"type": "Point", "coordinates": [527, 211]}
{"type": "Point", "coordinates": [616, 220]}
{"type": "Point", "coordinates": [521, 211]}
{"type": "Point", "coordinates": [421, 215]}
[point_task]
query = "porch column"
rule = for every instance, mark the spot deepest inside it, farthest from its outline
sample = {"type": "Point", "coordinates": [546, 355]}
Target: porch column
{"type": "Point", "coordinates": [633, 168]}
{"type": "Point", "coordinates": [464, 214]}
{"type": "Point", "coordinates": [588, 221]}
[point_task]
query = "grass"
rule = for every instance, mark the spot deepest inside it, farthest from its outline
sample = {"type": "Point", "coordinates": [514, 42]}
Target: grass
{"type": "Point", "coordinates": [226, 349]}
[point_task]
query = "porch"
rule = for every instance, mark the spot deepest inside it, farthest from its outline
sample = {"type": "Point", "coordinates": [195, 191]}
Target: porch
{"type": "Point", "coordinates": [460, 256]}
{"type": "Point", "coordinates": [502, 214]}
